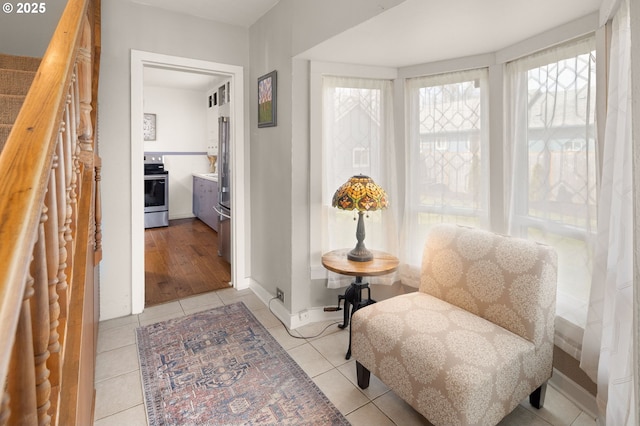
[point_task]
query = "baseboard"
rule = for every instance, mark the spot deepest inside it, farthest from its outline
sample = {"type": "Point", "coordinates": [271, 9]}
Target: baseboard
{"type": "Point", "coordinates": [574, 392]}
{"type": "Point", "coordinates": [176, 216]}
{"type": "Point", "coordinates": [313, 315]}
{"type": "Point", "coordinates": [293, 320]}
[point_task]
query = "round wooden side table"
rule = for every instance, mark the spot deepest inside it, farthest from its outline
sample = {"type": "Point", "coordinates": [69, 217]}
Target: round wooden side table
{"type": "Point", "coordinates": [337, 261]}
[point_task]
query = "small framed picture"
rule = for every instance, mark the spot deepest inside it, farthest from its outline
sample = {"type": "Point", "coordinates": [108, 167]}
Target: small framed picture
{"type": "Point", "coordinates": [267, 100]}
{"type": "Point", "coordinates": [222, 94]}
{"type": "Point", "coordinates": [149, 127]}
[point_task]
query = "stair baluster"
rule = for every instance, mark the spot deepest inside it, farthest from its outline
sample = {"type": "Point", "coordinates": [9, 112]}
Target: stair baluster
{"type": "Point", "coordinates": [49, 172]}
{"type": "Point", "coordinates": [40, 320]}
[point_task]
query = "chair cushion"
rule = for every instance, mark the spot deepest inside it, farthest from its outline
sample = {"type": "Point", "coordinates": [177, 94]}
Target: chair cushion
{"type": "Point", "coordinates": [452, 366]}
{"type": "Point", "coordinates": [508, 281]}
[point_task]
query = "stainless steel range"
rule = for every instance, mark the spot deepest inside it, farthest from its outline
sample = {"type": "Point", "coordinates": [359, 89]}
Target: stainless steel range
{"type": "Point", "coordinates": [156, 192]}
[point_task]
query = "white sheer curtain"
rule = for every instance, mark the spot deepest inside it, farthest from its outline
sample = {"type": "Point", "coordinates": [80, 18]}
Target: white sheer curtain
{"type": "Point", "coordinates": [357, 138]}
{"type": "Point", "coordinates": [551, 159]}
{"type": "Point", "coordinates": [608, 345]}
{"type": "Point", "coordinates": [447, 175]}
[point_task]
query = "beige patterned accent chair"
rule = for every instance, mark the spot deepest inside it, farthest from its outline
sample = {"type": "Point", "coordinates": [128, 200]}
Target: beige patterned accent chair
{"type": "Point", "coordinates": [475, 339]}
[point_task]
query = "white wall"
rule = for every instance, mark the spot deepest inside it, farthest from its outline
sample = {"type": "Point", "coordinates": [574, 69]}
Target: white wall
{"type": "Point", "coordinates": [29, 34]}
{"type": "Point", "coordinates": [181, 133]}
{"type": "Point", "coordinates": [181, 121]}
{"type": "Point", "coordinates": [127, 26]}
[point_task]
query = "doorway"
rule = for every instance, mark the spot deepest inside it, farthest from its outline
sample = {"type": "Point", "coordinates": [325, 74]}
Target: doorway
{"type": "Point", "coordinates": [239, 235]}
{"type": "Point", "coordinates": [182, 260]}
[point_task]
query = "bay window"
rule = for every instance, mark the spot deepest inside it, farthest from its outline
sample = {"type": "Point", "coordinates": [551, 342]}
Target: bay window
{"type": "Point", "coordinates": [554, 162]}
{"type": "Point", "coordinates": [544, 164]}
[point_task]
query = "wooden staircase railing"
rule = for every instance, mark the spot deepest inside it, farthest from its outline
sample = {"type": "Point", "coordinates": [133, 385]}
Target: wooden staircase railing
{"type": "Point", "coordinates": [50, 234]}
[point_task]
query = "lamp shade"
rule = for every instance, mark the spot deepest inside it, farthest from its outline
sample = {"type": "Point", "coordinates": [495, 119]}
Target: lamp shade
{"type": "Point", "coordinates": [360, 193]}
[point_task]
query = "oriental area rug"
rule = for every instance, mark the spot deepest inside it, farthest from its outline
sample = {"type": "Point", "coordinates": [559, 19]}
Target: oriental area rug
{"type": "Point", "coordinates": [222, 367]}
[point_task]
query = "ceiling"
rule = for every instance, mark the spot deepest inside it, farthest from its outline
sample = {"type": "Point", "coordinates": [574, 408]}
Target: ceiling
{"type": "Point", "coordinates": [414, 32]}
{"type": "Point", "coordinates": [423, 31]}
{"type": "Point", "coordinates": [236, 12]}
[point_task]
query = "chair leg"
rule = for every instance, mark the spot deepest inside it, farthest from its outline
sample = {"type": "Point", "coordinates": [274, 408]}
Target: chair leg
{"type": "Point", "coordinates": [537, 396]}
{"type": "Point", "coordinates": [363, 376]}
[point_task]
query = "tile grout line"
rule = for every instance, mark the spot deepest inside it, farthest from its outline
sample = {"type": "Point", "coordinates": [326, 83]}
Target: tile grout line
{"type": "Point", "coordinates": [116, 376]}
{"type": "Point", "coordinates": [121, 411]}
{"type": "Point", "coordinates": [309, 341]}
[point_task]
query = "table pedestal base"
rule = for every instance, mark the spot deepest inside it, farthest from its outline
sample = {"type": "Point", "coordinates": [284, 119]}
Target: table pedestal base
{"type": "Point", "coordinates": [352, 302]}
{"type": "Point", "coordinates": [338, 261]}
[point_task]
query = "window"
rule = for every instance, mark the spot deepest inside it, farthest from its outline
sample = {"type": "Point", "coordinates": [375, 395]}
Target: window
{"type": "Point", "coordinates": [554, 161]}
{"type": "Point", "coordinates": [357, 138]}
{"type": "Point", "coordinates": [446, 154]}
{"type": "Point", "coordinates": [360, 158]}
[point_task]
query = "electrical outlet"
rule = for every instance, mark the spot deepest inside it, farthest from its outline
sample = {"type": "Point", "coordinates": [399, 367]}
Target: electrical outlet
{"type": "Point", "coordinates": [280, 294]}
{"type": "Point", "coordinates": [304, 315]}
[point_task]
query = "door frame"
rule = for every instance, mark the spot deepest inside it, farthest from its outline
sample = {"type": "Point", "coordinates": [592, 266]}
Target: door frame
{"type": "Point", "coordinates": [239, 184]}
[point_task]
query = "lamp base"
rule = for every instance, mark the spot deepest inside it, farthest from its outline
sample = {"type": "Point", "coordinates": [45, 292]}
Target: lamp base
{"type": "Point", "coordinates": [360, 252]}
{"type": "Point", "coordinates": [360, 255]}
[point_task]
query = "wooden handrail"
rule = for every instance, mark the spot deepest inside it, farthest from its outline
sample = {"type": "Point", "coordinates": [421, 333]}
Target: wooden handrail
{"type": "Point", "coordinates": [46, 168]}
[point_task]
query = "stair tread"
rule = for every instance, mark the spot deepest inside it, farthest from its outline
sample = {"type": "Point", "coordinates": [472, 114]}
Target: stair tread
{"type": "Point", "coordinates": [26, 63]}
{"type": "Point", "coordinates": [17, 71]}
{"type": "Point", "coordinates": [8, 96]}
{"type": "Point", "coordinates": [4, 134]}
{"type": "Point", "coordinates": [12, 72]}
{"type": "Point", "coordinates": [16, 75]}
{"type": "Point", "coordinates": [15, 82]}
{"type": "Point", "coordinates": [10, 106]}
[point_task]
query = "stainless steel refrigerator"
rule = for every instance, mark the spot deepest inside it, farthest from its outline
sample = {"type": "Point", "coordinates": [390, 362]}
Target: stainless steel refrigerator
{"type": "Point", "coordinates": [224, 189]}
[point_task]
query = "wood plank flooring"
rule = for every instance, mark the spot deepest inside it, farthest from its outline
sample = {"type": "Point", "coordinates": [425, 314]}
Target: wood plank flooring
{"type": "Point", "coordinates": [182, 260]}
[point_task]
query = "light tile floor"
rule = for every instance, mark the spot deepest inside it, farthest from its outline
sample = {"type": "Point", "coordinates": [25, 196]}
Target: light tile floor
{"type": "Point", "coordinates": [119, 399]}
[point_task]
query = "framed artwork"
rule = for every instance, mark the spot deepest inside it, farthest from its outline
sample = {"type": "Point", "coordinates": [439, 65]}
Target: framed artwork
{"type": "Point", "coordinates": [149, 127]}
{"type": "Point", "coordinates": [267, 100]}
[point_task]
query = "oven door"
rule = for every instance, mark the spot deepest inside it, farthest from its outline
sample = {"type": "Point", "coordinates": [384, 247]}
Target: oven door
{"type": "Point", "coordinates": [156, 193]}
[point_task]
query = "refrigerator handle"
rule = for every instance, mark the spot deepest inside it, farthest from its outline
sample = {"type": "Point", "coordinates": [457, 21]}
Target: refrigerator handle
{"type": "Point", "coordinates": [220, 213]}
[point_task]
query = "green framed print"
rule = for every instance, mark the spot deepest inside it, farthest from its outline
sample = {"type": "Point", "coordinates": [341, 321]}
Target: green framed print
{"type": "Point", "coordinates": [267, 100]}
